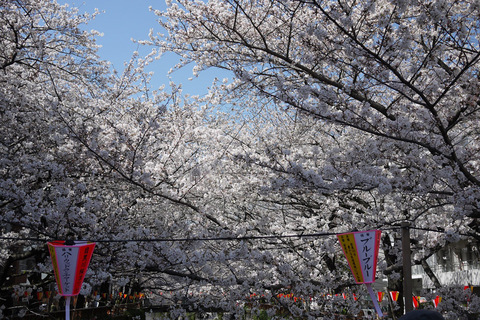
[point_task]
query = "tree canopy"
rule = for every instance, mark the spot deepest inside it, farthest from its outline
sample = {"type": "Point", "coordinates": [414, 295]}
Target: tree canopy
{"type": "Point", "coordinates": [340, 116]}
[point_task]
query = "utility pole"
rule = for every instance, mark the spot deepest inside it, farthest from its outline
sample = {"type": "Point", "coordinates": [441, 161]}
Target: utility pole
{"type": "Point", "coordinates": [407, 267]}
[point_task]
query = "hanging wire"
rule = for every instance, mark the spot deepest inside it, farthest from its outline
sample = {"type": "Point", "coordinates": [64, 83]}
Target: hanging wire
{"type": "Point", "coordinates": [299, 236]}
{"type": "Point", "coordinates": [302, 235]}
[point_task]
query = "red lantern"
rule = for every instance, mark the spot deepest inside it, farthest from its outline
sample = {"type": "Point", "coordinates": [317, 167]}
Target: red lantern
{"type": "Point", "coordinates": [394, 295]}
{"type": "Point", "coordinates": [380, 296]}
{"type": "Point", "coordinates": [70, 262]}
{"type": "Point", "coordinates": [416, 302]}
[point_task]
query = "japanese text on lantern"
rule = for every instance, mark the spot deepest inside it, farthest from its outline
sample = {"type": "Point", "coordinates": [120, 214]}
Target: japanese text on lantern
{"type": "Point", "coordinates": [68, 271]}
{"type": "Point", "coordinates": [361, 251]}
{"type": "Point", "coordinates": [366, 253]}
{"type": "Point", "coordinates": [70, 264]}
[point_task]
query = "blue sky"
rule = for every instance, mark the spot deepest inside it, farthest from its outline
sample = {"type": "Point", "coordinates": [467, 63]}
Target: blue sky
{"type": "Point", "coordinates": [123, 20]}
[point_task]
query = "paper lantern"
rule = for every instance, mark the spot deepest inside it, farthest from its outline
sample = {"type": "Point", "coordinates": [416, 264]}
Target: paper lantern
{"type": "Point", "coordinates": [416, 301]}
{"type": "Point", "coordinates": [70, 263]}
{"type": "Point", "coordinates": [380, 296]}
{"type": "Point", "coordinates": [361, 250]}
{"type": "Point", "coordinates": [394, 295]}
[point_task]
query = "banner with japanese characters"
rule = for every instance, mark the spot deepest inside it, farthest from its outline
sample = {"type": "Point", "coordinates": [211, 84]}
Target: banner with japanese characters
{"type": "Point", "coordinates": [70, 263]}
{"type": "Point", "coordinates": [361, 250]}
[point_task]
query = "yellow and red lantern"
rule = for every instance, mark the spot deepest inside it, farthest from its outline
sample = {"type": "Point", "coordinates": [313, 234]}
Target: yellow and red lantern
{"type": "Point", "coordinates": [380, 296]}
{"type": "Point", "coordinates": [416, 301]}
{"type": "Point", "coordinates": [361, 250]}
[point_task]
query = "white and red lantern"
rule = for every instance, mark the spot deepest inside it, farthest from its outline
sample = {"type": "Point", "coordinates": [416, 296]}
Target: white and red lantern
{"type": "Point", "coordinates": [70, 263]}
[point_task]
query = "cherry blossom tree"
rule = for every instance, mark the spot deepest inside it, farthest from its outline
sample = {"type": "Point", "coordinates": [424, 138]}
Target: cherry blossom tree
{"type": "Point", "coordinates": [341, 116]}
{"type": "Point", "coordinates": [90, 155]}
{"type": "Point", "coordinates": [394, 84]}
{"type": "Point", "coordinates": [385, 70]}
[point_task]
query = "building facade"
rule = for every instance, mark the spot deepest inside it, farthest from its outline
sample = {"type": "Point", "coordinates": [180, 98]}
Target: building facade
{"type": "Point", "coordinates": [455, 265]}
